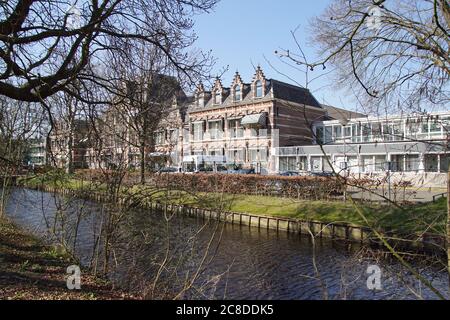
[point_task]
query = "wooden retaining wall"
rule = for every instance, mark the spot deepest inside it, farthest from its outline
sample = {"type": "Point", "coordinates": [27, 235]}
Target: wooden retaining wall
{"type": "Point", "coordinates": [338, 231]}
{"type": "Point", "coordinates": [425, 243]}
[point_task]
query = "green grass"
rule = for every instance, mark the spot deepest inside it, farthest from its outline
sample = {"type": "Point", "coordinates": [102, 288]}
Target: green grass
{"type": "Point", "coordinates": [31, 270]}
{"type": "Point", "coordinates": [416, 218]}
{"type": "Point", "coordinates": [412, 218]}
{"type": "Point", "coordinates": [58, 179]}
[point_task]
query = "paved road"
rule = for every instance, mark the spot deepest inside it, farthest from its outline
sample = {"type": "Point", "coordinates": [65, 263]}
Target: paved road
{"type": "Point", "coordinates": [411, 194]}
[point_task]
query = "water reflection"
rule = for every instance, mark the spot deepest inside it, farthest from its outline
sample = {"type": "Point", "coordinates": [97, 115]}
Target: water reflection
{"type": "Point", "coordinates": [233, 262]}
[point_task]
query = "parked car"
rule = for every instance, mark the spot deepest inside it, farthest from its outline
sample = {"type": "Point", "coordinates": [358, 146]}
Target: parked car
{"type": "Point", "coordinates": [246, 171]}
{"type": "Point", "coordinates": [221, 169]}
{"type": "Point", "coordinates": [322, 174]}
{"type": "Point", "coordinates": [167, 169]}
{"type": "Point", "coordinates": [289, 173]}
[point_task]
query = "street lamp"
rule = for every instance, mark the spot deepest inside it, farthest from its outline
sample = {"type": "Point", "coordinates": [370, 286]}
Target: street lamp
{"type": "Point", "coordinates": [344, 122]}
{"type": "Point", "coordinates": [389, 168]}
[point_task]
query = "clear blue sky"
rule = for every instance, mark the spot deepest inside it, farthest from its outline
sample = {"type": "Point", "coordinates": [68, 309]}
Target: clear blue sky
{"type": "Point", "coordinates": [246, 32]}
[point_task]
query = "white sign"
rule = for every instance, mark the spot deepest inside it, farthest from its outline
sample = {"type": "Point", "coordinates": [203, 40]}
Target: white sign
{"type": "Point", "coordinates": [73, 17]}
{"type": "Point", "coordinates": [374, 280]}
{"type": "Point", "coordinates": [373, 21]}
{"type": "Point", "coordinates": [74, 278]}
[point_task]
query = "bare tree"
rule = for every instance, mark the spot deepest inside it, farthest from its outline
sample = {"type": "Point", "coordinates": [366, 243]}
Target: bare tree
{"type": "Point", "coordinates": [391, 55]}
{"type": "Point", "coordinates": [19, 124]}
{"type": "Point", "coordinates": [46, 45]}
{"type": "Point", "coordinates": [145, 93]}
{"type": "Point", "coordinates": [65, 112]}
{"type": "Point", "coordinates": [395, 52]}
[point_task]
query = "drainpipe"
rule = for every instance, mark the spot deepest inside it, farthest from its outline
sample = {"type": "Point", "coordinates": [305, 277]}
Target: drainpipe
{"type": "Point", "coordinates": [308, 165]}
{"type": "Point", "coordinates": [389, 177]}
{"type": "Point", "coordinates": [359, 161]}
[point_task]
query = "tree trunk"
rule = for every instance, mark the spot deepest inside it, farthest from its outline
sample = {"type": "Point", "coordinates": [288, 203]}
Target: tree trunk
{"type": "Point", "coordinates": [69, 167]}
{"type": "Point", "coordinates": [142, 168]}
{"type": "Point", "coordinates": [71, 134]}
{"type": "Point", "coordinates": [448, 225]}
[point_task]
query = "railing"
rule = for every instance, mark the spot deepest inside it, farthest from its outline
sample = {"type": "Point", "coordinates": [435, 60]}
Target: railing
{"type": "Point", "coordinates": [230, 134]}
{"type": "Point", "coordinates": [440, 195]}
{"type": "Point", "coordinates": [286, 151]}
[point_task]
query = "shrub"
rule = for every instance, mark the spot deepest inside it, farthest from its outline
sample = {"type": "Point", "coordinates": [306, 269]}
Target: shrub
{"type": "Point", "coordinates": [299, 187]}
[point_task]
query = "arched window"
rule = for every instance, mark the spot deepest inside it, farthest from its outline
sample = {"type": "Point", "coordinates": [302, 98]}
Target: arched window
{"type": "Point", "coordinates": [258, 89]}
{"type": "Point", "coordinates": [237, 92]}
{"type": "Point", "coordinates": [218, 97]}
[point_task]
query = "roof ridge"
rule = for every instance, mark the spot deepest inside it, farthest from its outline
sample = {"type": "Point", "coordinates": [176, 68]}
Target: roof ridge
{"type": "Point", "coordinates": [289, 84]}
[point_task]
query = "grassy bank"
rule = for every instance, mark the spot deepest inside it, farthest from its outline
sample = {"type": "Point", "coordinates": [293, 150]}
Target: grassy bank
{"type": "Point", "coordinates": [31, 270]}
{"type": "Point", "coordinates": [412, 218]}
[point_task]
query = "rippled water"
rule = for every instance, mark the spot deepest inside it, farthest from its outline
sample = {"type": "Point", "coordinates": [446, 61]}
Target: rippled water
{"type": "Point", "coordinates": [239, 262]}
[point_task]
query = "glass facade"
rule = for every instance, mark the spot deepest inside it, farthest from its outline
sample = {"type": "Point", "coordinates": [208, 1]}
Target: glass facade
{"type": "Point", "coordinates": [444, 162]}
{"type": "Point", "coordinates": [173, 136]}
{"type": "Point", "coordinates": [373, 146]}
{"type": "Point", "coordinates": [397, 163]}
{"type": "Point", "coordinates": [405, 162]}
{"type": "Point", "coordinates": [235, 128]}
{"type": "Point", "coordinates": [159, 137]}
{"type": "Point", "coordinates": [431, 162]}
{"type": "Point", "coordinates": [217, 97]}
{"type": "Point", "coordinates": [380, 163]}
{"type": "Point", "coordinates": [316, 163]}
{"type": "Point", "coordinates": [319, 135]}
{"type": "Point", "coordinates": [215, 129]}
{"type": "Point", "coordinates": [288, 164]}
{"type": "Point", "coordinates": [237, 93]}
{"type": "Point", "coordinates": [377, 131]}
{"type": "Point", "coordinates": [197, 129]}
{"type": "Point", "coordinates": [367, 163]}
{"type": "Point", "coordinates": [236, 155]}
{"type": "Point", "coordinates": [437, 162]}
{"type": "Point", "coordinates": [293, 163]}
{"type": "Point", "coordinates": [411, 162]}
{"type": "Point", "coordinates": [258, 89]}
{"type": "Point", "coordinates": [257, 155]}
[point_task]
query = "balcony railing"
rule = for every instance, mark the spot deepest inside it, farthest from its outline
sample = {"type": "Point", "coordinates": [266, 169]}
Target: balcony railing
{"type": "Point", "coordinates": [237, 133]}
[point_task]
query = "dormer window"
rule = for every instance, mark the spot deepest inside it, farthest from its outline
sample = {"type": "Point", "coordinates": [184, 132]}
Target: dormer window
{"type": "Point", "coordinates": [200, 96]}
{"type": "Point", "coordinates": [217, 97]}
{"type": "Point", "coordinates": [237, 93]}
{"type": "Point", "coordinates": [201, 101]}
{"type": "Point", "coordinates": [258, 89]}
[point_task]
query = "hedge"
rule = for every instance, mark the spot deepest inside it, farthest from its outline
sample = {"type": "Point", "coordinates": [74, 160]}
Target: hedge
{"type": "Point", "coordinates": [300, 187]}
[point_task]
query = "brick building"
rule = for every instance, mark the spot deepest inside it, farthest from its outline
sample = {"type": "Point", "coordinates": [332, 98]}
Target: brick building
{"type": "Point", "coordinates": [242, 124]}
{"type": "Point", "coordinates": [239, 126]}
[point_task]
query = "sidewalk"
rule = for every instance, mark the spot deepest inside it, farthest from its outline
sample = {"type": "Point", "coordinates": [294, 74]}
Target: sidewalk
{"type": "Point", "coordinates": [411, 194]}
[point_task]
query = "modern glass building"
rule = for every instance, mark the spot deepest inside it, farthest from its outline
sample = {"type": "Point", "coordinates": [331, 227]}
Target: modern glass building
{"type": "Point", "coordinates": [371, 145]}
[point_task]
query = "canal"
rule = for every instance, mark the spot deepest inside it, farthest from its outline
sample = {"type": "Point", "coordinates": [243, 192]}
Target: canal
{"type": "Point", "coordinates": [160, 255]}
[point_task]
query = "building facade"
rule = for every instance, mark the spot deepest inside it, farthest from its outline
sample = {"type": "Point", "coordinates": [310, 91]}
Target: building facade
{"type": "Point", "coordinates": [268, 126]}
{"type": "Point", "coordinates": [416, 146]}
{"type": "Point", "coordinates": [234, 127]}
{"type": "Point", "coordinates": [241, 126]}
{"type": "Point", "coordinates": [37, 152]}
{"type": "Point", "coordinates": [69, 144]}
